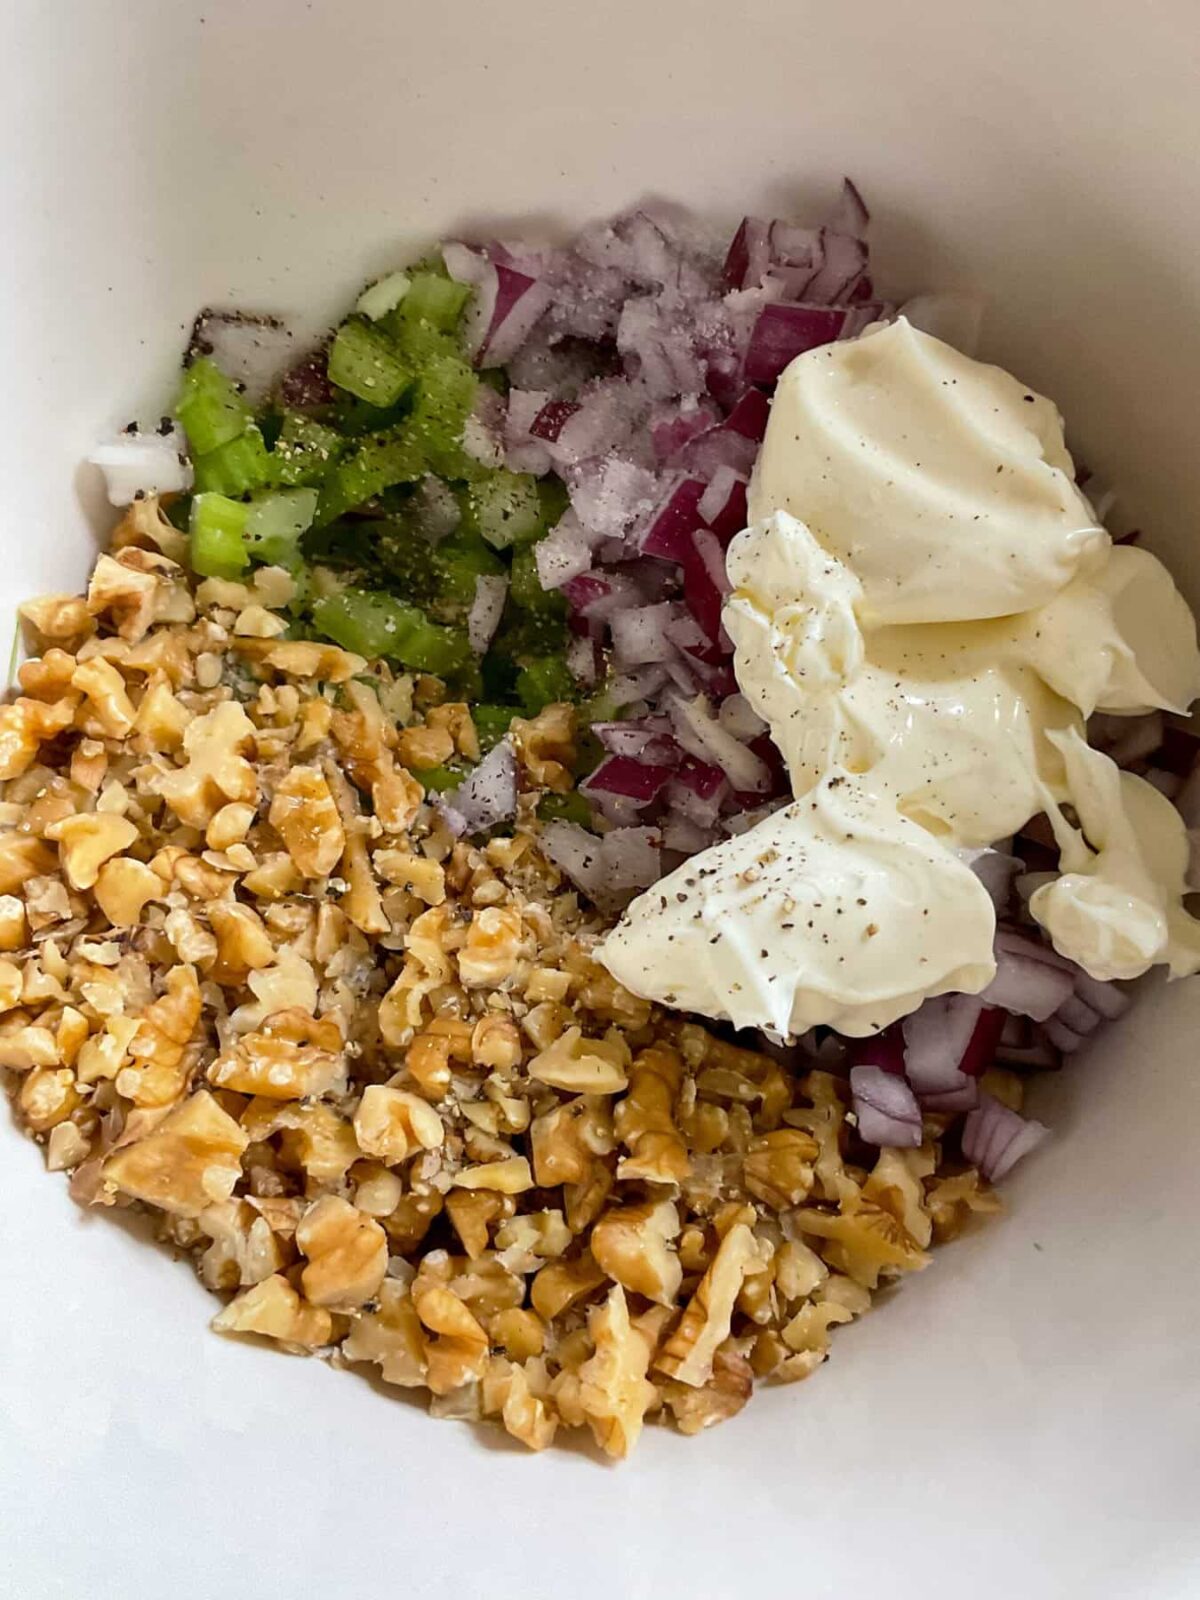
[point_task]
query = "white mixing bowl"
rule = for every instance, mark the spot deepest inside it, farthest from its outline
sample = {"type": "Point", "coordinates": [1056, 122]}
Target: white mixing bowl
{"type": "Point", "coordinates": [1023, 1418]}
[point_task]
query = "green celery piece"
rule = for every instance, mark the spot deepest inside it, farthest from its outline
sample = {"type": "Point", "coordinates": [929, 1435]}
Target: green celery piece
{"type": "Point", "coordinates": [457, 562]}
{"type": "Point", "coordinates": [239, 466]}
{"type": "Point", "coordinates": [210, 407]}
{"type": "Point", "coordinates": [434, 300]}
{"type": "Point", "coordinates": [527, 591]}
{"type": "Point", "coordinates": [277, 523]}
{"type": "Point", "coordinates": [554, 497]}
{"type": "Point", "coordinates": [216, 546]}
{"type": "Point", "coordinates": [365, 363]}
{"type": "Point", "coordinates": [545, 680]}
{"type": "Point", "coordinates": [446, 389]}
{"type": "Point", "coordinates": [306, 451]}
{"type": "Point", "coordinates": [506, 508]}
{"type": "Point", "coordinates": [378, 461]}
{"type": "Point", "coordinates": [375, 624]}
{"type": "Point", "coordinates": [439, 779]}
{"type": "Point", "coordinates": [492, 723]}
{"type": "Point", "coordinates": [378, 298]}
{"type": "Point", "coordinates": [571, 807]}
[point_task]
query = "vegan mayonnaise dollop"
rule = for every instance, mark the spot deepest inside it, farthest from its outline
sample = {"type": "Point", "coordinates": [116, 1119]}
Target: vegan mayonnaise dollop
{"type": "Point", "coordinates": [925, 612]}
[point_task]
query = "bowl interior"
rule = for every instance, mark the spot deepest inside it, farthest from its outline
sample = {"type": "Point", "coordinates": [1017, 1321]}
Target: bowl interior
{"type": "Point", "coordinates": [1017, 1414]}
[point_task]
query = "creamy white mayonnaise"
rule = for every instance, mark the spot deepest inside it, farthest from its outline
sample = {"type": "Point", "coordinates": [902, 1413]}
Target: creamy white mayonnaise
{"type": "Point", "coordinates": [924, 612]}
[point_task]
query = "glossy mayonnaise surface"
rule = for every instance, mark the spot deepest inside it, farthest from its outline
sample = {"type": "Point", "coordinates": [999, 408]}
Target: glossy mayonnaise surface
{"type": "Point", "coordinates": [925, 613]}
{"type": "Point", "coordinates": [942, 483]}
{"type": "Point", "coordinates": [833, 910]}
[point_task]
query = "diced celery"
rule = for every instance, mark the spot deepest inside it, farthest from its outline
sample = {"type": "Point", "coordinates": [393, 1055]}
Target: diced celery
{"type": "Point", "coordinates": [239, 466]}
{"type": "Point", "coordinates": [457, 562]}
{"type": "Point", "coordinates": [305, 451]}
{"type": "Point", "coordinates": [554, 497]}
{"type": "Point", "coordinates": [375, 624]}
{"type": "Point", "coordinates": [364, 362]}
{"type": "Point", "coordinates": [216, 547]}
{"type": "Point", "coordinates": [571, 807]}
{"type": "Point", "coordinates": [277, 523]}
{"type": "Point", "coordinates": [210, 407]}
{"type": "Point", "coordinates": [444, 652]}
{"type": "Point", "coordinates": [435, 300]}
{"type": "Point", "coordinates": [527, 588]}
{"type": "Point", "coordinates": [439, 779]}
{"type": "Point", "coordinates": [446, 389]}
{"type": "Point", "coordinates": [506, 508]}
{"type": "Point", "coordinates": [544, 681]}
{"type": "Point", "coordinates": [377, 299]}
{"type": "Point", "coordinates": [378, 461]}
{"type": "Point", "coordinates": [491, 723]}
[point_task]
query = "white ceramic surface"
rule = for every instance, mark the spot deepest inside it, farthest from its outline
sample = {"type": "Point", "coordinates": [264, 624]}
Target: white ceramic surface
{"type": "Point", "coordinates": [1025, 1418]}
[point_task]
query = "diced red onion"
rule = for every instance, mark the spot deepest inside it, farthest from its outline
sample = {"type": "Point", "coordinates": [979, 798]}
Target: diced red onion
{"type": "Point", "coordinates": [1126, 740]}
{"type": "Point", "coordinates": [627, 777]}
{"type": "Point", "coordinates": [738, 717]}
{"type": "Point", "coordinates": [640, 634]}
{"type": "Point", "coordinates": [783, 332]}
{"type": "Point", "coordinates": [137, 464]}
{"type": "Point", "coordinates": [705, 581]}
{"type": "Point", "coordinates": [486, 610]}
{"type": "Point", "coordinates": [851, 214]}
{"type": "Point", "coordinates": [886, 1108]}
{"type": "Point", "coordinates": [658, 348]}
{"type": "Point", "coordinates": [723, 503]}
{"type": "Point", "coordinates": [995, 1137]}
{"type": "Point", "coordinates": [504, 308]}
{"type": "Point", "coordinates": [1077, 1015]}
{"type": "Point", "coordinates": [606, 415]}
{"type": "Point", "coordinates": [882, 1050]}
{"type": "Point", "coordinates": [604, 866]}
{"type": "Point", "coordinates": [669, 528]}
{"type": "Point", "coordinates": [701, 735]}
{"type": "Point", "coordinates": [671, 426]}
{"type": "Point", "coordinates": [996, 869]}
{"type": "Point", "coordinates": [581, 660]}
{"type": "Point", "coordinates": [936, 1038]}
{"type": "Point", "coordinates": [433, 510]}
{"type": "Point", "coordinates": [1062, 1037]}
{"type": "Point", "coordinates": [1109, 999]}
{"type": "Point", "coordinates": [719, 447]}
{"type": "Point", "coordinates": [685, 836]}
{"type": "Point", "coordinates": [552, 418]}
{"type": "Point", "coordinates": [489, 795]}
{"type": "Point", "coordinates": [1027, 986]}
{"type": "Point", "coordinates": [564, 556]}
{"type": "Point", "coordinates": [252, 350]}
{"type": "Point", "coordinates": [749, 254]}
{"type": "Point", "coordinates": [750, 416]}
{"type": "Point", "coordinates": [843, 262]}
{"type": "Point", "coordinates": [629, 687]}
{"type": "Point", "coordinates": [612, 495]}
{"type": "Point", "coordinates": [950, 1102]}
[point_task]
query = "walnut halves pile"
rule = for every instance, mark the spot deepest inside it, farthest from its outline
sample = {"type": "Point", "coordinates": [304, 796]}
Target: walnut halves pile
{"type": "Point", "coordinates": [369, 1076]}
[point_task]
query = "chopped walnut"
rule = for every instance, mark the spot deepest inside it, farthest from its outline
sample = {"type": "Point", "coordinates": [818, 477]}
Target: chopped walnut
{"type": "Point", "coordinates": [192, 1159]}
{"type": "Point", "coordinates": [393, 1124]}
{"type": "Point", "coordinates": [347, 1254]}
{"type": "Point", "coordinates": [293, 1057]}
{"type": "Point", "coordinates": [306, 817]}
{"type": "Point", "coordinates": [688, 1353]}
{"type": "Point", "coordinates": [250, 981]}
{"type": "Point", "coordinates": [614, 1391]}
{"type": "Point", "coordinates": [632, 1244]}
{"type": "Point", "coordinates": [582, 1066]}
{"type": "Point", "coordinates": [390, 1336]}
{"type": "Point", "coordinates": [644, 1119]}
{"type": "Point", "coordinates": [274, 1310]}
